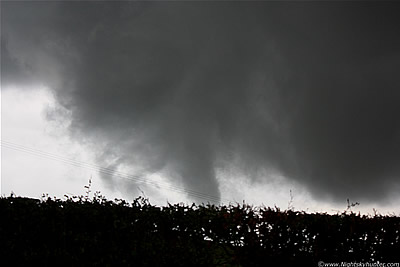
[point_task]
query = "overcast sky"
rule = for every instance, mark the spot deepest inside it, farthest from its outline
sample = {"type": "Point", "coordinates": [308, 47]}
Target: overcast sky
{"type": "Point", "coordinates": [204, 101]}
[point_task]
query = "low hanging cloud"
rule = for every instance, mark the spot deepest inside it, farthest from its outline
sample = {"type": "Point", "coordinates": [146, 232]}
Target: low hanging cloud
{"type": "Point", "coordinates": [306, 90]}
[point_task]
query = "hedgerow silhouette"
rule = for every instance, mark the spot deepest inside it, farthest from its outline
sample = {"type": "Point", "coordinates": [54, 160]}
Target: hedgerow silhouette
{"type": "Point", "coordinates": [99, 232]}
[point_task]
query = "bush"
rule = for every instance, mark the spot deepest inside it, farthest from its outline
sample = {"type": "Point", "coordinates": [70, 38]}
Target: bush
{"type": "Point", "coordinates": [100, 232]}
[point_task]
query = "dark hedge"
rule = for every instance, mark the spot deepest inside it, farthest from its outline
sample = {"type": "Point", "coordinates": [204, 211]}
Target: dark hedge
{"type": "Point", "coordinates": [98, 232]}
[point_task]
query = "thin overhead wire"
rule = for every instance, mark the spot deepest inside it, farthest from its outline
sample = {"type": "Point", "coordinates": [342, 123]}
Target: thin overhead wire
{"type": "Point", "coordinates": [111, 172]}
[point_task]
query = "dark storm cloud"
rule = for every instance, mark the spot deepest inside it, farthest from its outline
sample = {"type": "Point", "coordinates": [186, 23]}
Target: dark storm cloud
{"type": "Point", "coordinates": [309, 90]}
{"type": "Point", "coordinates": [11, 68]}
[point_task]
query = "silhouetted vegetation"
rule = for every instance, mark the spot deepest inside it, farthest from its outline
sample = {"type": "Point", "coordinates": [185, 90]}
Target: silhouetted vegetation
{"type": "Point", "coordinates": [99, 232]}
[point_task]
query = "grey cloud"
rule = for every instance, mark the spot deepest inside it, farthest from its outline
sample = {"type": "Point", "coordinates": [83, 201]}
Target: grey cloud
{"type": "Point", "coordinates": [309, 90]}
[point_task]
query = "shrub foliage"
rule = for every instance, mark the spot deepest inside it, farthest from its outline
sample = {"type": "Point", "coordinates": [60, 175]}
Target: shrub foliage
{"type": "Point", "coordinates": [99, 232]}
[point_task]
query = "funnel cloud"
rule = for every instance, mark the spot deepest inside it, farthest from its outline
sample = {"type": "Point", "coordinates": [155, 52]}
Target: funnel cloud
{"type": "Point", "coordinates": [307, 90]}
